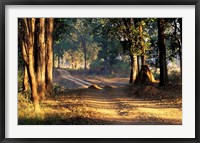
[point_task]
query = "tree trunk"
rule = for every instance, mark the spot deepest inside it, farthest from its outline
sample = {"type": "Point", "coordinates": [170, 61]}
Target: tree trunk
{"type": "Point", "coordinates": [143, 60]}
{"type": "Point", "coordinates": [180, 44]}
{"type": "Point", "coordinates": [134, 68]}
{"type": "Point", "coordinates": [59, 61]}
{"type": "Point", "coordinates": [131, 73]}
{"type": "Point", "coordinates": [180, 55]}
{"type": "Point", "coordinates": [143, 57]}
{"type": "Point", "coordinates": [34, 86]}
{"type": "Point", "coordinates": [145, 76]}
{"type": "Point", "coordinates": [138, 63]}
{"type": "Point", "coordinates": [53, 64]}
{"type": "Point", "coordinates": [25, 80]}
{"type": "Point", "coordinates": [34, 55]}
{"type": "Point", "coordinates": [41, 64]}
{"type": "Point", "coordinates": [157, 60]}
{"type": "Point", "coordinates": [162, 55]}
{"type": "Point", "coordinates": [84, 51]}
{"type": "Point", "coordinates": [49, 58]}
{"type": "Point", "coordinates": [85, 59]}
{"type": "Point", "coordinates": [29, 29]}
{"type": "Point", "coordinates": [25, 57]}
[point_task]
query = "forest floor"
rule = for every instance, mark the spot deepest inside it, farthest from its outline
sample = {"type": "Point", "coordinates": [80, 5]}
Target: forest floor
{"type": "Point", "coordinates": [83, 99]}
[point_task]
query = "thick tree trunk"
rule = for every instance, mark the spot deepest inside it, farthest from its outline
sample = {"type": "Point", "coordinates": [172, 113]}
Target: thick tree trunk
{"type": "Point", "coordinates": [162, 55]}
{"type": "Point", "coordinates": [41, 64]}
{"type": "Point", "coordinates": [29, 29]}
{"type": "Point", "coordinates": [34, 55]}
{"type": "Point", "coordinates": [34, 92]}
{"type": "Point", "coordinates": [49, 58]}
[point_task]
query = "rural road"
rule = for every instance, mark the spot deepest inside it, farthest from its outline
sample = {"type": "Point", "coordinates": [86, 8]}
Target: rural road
{"type": "Point", "coordinates": [113, 104]}
{"type": "Point", "coordinates": [65, 79]}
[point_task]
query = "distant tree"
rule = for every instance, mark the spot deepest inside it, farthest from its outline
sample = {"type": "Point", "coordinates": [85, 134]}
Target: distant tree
{"type": "Point", "coordinates": [104, 31]}
{"type": "Point", "coordinates": [129, 44]}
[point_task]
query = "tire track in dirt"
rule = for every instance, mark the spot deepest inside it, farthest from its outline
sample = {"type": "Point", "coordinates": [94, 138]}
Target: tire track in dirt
{"type": "Point", "coordinates": [65, 79]}
{"type": "Point", "coordinates": [114, 104]}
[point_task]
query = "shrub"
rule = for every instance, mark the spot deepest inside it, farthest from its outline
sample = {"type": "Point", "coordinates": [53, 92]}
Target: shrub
{"type": "Point", "coordinates": [175, 77]}
{"type": "Point", "coordinates": [20, 80]}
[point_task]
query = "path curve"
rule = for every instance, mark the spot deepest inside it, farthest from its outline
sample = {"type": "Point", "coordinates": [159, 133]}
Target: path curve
{"type": "Point", "coordinates": [65, 79]}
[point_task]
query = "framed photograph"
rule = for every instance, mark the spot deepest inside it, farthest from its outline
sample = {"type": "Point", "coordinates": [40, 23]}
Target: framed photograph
{"type": "Point", "coordinates": [99, 71]}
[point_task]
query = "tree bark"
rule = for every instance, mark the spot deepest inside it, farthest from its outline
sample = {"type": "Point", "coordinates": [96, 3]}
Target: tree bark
{"type": "Point", "coordinates": [162, 51]}
{"type": "Point", "coordinates": [25, 80]}
{"type": "Point", "coordinates": [143, 60]}
{"type": "Point", "coordinates": [143, 56]}
{"type": "Point", "coordinates": [32, 37]}
{"type": "Point", "coordinates": [145, 76]}
{"type": "Point", "coordinates": [180, 55]}
{"type": "Point", "coordinates": [134, 68]}
{"type": "Point", "coordinates": [41, 64]}
{"type": "Point", "coordinates": [49, 59]}
{"type": "Point", "coordinates": [29, 29]}
{"type": "Point", "coordinates": [180, 44]}
{"type": "Point", "coordinates": [25, 57]}
{"type": "Point", "coordinates": [138, 63]}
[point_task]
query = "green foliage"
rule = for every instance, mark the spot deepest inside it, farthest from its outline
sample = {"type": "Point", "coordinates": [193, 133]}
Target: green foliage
{"type": "Point", "coordinates": [96, 64]}
{"type": "Point", "coordinates": [20, 80]}
{"type": "Point", "coordinates": [121, 68]}
{"type": "Point", "coordinates": [25, 97]}
{"type": "Point", "coordinates": [96, 39]}
{"type": "Point", "coordinates": [77, 42]}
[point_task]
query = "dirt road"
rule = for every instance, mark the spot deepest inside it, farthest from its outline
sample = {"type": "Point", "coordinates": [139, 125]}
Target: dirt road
{"type": "Point", "coordinates": [114, 104]}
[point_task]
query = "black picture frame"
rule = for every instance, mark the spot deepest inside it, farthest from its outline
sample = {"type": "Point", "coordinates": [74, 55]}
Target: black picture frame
{"type": "Point", "coordinates": [3, 4]}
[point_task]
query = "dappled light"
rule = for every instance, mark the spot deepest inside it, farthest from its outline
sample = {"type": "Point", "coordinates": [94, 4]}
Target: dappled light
{"type": "Point", "coordinates": [100, 71]}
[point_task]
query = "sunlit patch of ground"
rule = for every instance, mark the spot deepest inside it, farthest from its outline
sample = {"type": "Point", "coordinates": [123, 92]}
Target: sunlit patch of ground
{"type": "Point", "coordinates": [114, 103]}
{"type": "Point", "coordinates": [104, 107]}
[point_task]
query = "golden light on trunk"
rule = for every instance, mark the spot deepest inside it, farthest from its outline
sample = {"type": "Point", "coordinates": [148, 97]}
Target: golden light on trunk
{"type": "Point", "coordinates": [41, 62]}
{"type": "Point", "coordinates": [49, 56]}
